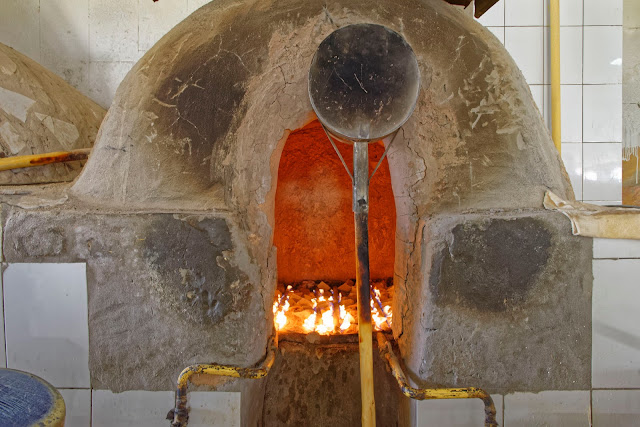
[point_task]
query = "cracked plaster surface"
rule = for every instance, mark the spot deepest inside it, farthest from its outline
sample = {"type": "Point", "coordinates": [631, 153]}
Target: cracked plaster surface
{"type": "Point", "coordinates": [41, 113]}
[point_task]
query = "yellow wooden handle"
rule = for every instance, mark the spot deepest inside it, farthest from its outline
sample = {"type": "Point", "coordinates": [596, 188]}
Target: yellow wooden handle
{"type": "Point", "coordinates": [554, 18]}
{"type": "Point", "coordinates": [17, 162]}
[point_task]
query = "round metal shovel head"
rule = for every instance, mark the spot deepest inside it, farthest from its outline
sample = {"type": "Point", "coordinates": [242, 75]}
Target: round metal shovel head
{"type": "Point", "coordinates": [364, 82]}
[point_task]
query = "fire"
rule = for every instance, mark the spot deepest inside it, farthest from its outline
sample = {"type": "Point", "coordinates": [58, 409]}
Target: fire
{"type": "Point", "coordinates": [280, 308]}
{"type": "Point", "coordinates": [328, 310]}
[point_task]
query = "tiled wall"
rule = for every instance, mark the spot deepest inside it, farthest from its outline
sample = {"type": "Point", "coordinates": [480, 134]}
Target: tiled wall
{"type": "Point", "coordinates": [90, 43]}
{"type": "Point", "coordinates": [591, 77]}
{"type": "Point", "coordinates": [591, 83]}
{"type": "Point", "coordinates": [93, 44]}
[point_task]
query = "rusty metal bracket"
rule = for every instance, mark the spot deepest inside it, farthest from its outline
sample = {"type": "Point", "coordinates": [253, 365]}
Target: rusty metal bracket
{"type": "Point", "coordinates": [180, 414]}
{"type": "Point", "coordinates": [386, 351]}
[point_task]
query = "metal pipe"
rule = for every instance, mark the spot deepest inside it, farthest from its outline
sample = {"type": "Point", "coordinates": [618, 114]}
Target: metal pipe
{"type": "Point", "coordinates": [436, 393]}
{"type": "Point", "coordinates": [180, 414]}
{"type": "Point", "coordinates": [18, 162]}
{"type": "Point", "coordinates": [556, 115]}
{"type": "Point", "coordinates": [365, 332]}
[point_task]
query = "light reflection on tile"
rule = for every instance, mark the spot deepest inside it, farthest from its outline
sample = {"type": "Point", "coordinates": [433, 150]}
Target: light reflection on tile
{"type": "Point", "coordinates": [602, 55]}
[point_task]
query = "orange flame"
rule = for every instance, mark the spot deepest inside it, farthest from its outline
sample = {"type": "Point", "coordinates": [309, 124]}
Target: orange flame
{"type": "Point", "coordinates": [330, 313]}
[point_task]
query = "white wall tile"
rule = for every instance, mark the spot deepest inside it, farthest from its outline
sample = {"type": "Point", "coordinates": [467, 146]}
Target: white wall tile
{"type": "Point", "coordinates": [113, 30]}
{"type": "Point", "coordinates": [105, 79]}
{"type": "Point", "coordinates": [598, 12]}
{"type": "Point", "coordinates": [494, 17]}
{"type": "Point", "coordinates": [64, 34]}
{"type": "Point", "coordinates": [157, 18]}
{"type": "Point", "coordinates": [616, 408]}
{"type": "Point", "coordinates": [525, 44]}
{"type": "Point", "coordinates": [602, 112]}
{"type": "Point", "coordinates": [498, 32]}
{"type": "Point", "coordinates": [455, 412]}
{"type": "Point", "coordinates": [131, 408]}
{"type": "Point", "coordinates": [20, 26]}
{"type": "Point", "coordinates": [604, 202]}
{"type": "Point", "coordinates": [572, 158]}
{"type": "Point", "coordinates": [570, 12]}
{"type": "Point", "coordinates": [548, 408]}
{"type": "Point", "coordinates": [602, 55]}
{"type": "Point", "coordinates": [78, 403]}
{"type": "Point", "coordinates": [537, 92]}
{"type": "Point", "coordinates": [616, 332]}
{"type": "Point", "coordinates": [571, 110]}
{"type": "Point", "coordinates": [523, 12]}
{"type": "Point", "coordinates": [46, 322]}
{"type": "Point", "coordinates": [547, 106]}
{"type": "Point", "coordinates": [209, 408]}
{"type": "Point", "coordinates": [196, 4]}
{"type": "Point", "coordinates": [602, 171]}
{"type": "Point", "coordinates": [616, 248]}
{"type": "Point", "coordinates": [570, 56]}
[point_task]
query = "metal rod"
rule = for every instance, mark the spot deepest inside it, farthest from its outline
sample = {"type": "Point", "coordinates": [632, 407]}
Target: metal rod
{"type": "Point", "coordinates": [19, 162]}
{"type": "Point", "coordinates": [180, 414]}
{"type": "Point", "coordinates": [361, 213]}
{"type": "Point", "coordinates": [556, 115]}
{"type": "Point", "coordinates": [338, 152]}
{"type": "Point", "coordinates": [436, 393]}
{"type": "Point", "coordinates": [393, 138]}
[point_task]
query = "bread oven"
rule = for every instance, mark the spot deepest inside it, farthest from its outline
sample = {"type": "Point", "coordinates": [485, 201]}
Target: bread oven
{"type": "Point", "coordinates": [193, 222]}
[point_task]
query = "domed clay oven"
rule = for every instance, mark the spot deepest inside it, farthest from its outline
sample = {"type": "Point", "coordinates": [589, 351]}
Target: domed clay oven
{"type": "Point", "coordinates": [176, 209]}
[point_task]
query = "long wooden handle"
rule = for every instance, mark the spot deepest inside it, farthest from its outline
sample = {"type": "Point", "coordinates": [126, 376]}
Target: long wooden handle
{"type": "Point", "coordinates": [556, 116]}
{"type": "Point", "coordinates": [18, 162]}
{"type": "Point", "coordinates": [361, 217]}
{"type": "Point", "coordinates": [364, 320]}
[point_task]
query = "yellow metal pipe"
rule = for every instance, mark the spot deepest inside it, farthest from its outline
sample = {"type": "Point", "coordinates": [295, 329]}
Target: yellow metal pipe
{"type": "Point", "coordinates": [556, 116]}
{"type": "Point", "coordinates": [436, 393]}
{"type": "Point", "coordinates": [180, 415]}
{"type": "Point", "coordinates": [18, 162]}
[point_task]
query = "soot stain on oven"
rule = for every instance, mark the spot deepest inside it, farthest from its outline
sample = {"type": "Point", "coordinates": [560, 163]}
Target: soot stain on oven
{"type": "Point", "coordinates": [491, 266]}
{"type": "Point", "coordinates": [192, 255]}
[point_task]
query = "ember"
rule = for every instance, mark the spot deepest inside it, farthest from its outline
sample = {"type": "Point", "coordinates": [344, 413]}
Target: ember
{"type": "Point", "coordinates": [326, 309]}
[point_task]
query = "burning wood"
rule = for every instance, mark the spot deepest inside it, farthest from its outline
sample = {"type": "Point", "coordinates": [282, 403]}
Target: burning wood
{"type": "Point", "coordinates": [329, 310]}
